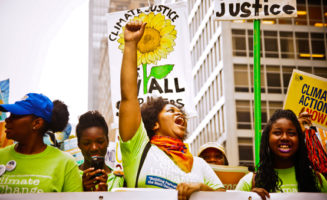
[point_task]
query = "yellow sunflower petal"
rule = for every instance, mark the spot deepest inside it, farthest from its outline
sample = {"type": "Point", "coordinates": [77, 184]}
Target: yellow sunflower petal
{"type": "Point", "coordinates": [149, 19]}
{"type": "Point", "coordinates": [158, 19]}
{"type": "Point", "coordinates": [167, 30]}
{"type": "Point", "coordinates": [159, 39]}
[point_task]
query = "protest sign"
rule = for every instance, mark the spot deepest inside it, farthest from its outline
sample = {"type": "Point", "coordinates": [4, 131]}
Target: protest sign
{"type": "Point", "coordinates": [4, 96]}
{"type": "Point", "coordinates": [254, 196]}
{"type": "Point", "coordinates": [71, 147]}
{"type": "Point", "coordinates": [163, 56]}
{"type": "Point", "coordinates": [113, 156]}
{"type": "Point", "coordinates": [4, 99]}
{"type": "Point", "coordinates": [309, 91]}
{"type": "Point", "coordinates": [254, 9]}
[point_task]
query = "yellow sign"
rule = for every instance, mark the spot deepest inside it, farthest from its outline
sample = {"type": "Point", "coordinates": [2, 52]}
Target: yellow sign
{"type": "Point", "coordinates": [309, 91]}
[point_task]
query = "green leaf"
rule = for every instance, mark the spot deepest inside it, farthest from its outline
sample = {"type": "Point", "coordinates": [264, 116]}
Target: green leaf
{"type": "Point", "coordinates": [161, 71]}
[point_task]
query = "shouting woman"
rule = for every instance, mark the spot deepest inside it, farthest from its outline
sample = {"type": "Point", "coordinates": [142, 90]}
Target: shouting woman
{"type": "Point", "coordinates": [154, 155]}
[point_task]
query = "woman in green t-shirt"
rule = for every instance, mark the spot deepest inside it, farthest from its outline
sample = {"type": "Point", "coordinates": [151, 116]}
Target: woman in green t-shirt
{"type": "Point", "coordinates": [284, 165]}
{"type": "Point", "coordinates": [29, 165]}
{"type": "Point", "coordinates": [93, 140]}
{"type": "Point", "coordinates": [152, 136]}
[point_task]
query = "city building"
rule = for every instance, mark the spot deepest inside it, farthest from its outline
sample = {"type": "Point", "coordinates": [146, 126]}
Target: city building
{"type": "Point", "coordinates": [223, 68]}
{"type": "Point", "coordinates": [223, 71]}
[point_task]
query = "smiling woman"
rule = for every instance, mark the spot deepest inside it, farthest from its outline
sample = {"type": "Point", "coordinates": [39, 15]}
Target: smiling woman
{"type": "Point", "coordinates": [284, 164]}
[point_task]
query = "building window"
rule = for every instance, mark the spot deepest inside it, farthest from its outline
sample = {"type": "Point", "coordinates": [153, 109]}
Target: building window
{"type": "Point", "coordinates": [246, 153]}
{"type": "Point", "coordinates": [238, 42]}
{"type": "Point", "coordinates": [273, 79]}
{"type": "Point", "coordinates": [301, 18]}
{"type": "Point", "coordinates": [243, 114]}
{"type": "Point", "coordinates": [271, 45]}
{"type": "Point", "coordinates": [241, 78]}
{"type": "Point", "coordinates": [302, 44]}
{"type": "Point", "coordinates": [315, 15]}
{"type": "Point", "coordinates": [245, 150]}
{"type": "Point", "coordinates": [318, 46]}
{"type": "Point", "coordinates": [286, 44]}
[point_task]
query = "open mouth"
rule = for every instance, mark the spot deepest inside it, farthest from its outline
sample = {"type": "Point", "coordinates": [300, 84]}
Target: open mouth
{"type": "Point", "coordinates": [180, 121]}
{"type": "Point", "coordinates": [284, 148]}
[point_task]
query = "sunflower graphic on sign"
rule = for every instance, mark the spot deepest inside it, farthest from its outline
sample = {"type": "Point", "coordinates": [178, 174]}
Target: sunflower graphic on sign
{"type": "Point", "coordinates": [156, 43]}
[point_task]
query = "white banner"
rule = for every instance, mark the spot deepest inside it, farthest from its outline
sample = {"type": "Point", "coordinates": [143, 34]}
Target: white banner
{"type": "Point", "coordinates": [160, 194]}
{"type": "Point", "coordinates": [231, 195]}
{"type": "Point", "coordinates": [163, 56]}
{"type": "Point", "coordinates": [254, 9]}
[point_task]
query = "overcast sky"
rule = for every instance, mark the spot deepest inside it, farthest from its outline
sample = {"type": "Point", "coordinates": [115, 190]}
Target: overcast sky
{"type": "Point", "coordinates": [44, 49]}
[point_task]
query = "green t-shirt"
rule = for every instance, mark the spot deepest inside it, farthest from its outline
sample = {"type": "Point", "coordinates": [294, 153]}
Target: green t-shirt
{"type": "Point", "coordinates": [113, 181]}
{"type": "Point", "coordinates": [286, 175]}
{"type": "Point", "coordinates": [159, 170]}
{"type": "Point", "coordinates": [49, 171]}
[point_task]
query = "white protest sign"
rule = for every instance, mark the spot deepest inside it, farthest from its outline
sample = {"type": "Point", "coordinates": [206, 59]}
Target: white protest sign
{"type": "Point", "coordinates": [231, 195]}
{"type": "Point", "coordinates": [254, 9]}
{"type": "Point", "coordinates": [160, 194]}
{"type": "Point", "coordinates": [163, 56]}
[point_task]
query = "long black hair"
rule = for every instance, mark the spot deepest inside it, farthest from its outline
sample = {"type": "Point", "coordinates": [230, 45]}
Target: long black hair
{"type": "Point", "coordinates": [266, 176]}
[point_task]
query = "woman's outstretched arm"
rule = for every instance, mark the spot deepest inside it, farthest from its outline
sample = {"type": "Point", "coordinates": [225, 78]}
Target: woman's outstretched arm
{"type": "Point", "coordinates": [129, 111]}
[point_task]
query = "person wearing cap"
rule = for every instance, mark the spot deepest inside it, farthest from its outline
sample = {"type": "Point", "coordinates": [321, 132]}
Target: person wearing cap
{"type": "Point", "coordinates": [213, 153]}
{"type": "Point", "coordinates": [29, 165]}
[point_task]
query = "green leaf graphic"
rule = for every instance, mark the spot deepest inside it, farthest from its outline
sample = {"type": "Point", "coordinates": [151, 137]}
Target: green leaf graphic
{"type": "Point", "coordinates": [161, 71]}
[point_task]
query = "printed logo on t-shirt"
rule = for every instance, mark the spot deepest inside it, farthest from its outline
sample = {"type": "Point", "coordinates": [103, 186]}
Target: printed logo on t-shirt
{"type": "Point", "coordinates": [22, 183]}
{"type": "Point", "coordinates": [289, 188]}
{"type": "Point", "coordinates": [160, 182]}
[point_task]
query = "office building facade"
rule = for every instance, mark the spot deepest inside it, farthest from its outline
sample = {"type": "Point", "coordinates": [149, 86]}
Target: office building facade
{"type": "Point", "coordinates": [222, 56]}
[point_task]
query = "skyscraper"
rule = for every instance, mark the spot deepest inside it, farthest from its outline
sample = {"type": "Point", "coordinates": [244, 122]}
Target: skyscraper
{"type": "Point", "coordinates": [222, 55]}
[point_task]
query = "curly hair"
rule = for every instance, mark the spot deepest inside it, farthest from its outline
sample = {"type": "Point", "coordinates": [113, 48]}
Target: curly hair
{"type": "Point", "coordinates": [59, 121]}
{"type": "Point", "coordinates": [266, 176]}
{"type": "Point", "coordinates": [150, 112]}
{"type": "Point", "coordinates": [91, 119]}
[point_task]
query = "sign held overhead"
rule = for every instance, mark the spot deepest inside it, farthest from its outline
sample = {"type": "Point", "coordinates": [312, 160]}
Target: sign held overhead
{"type": "Point", "coordinates": [254, 9]}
